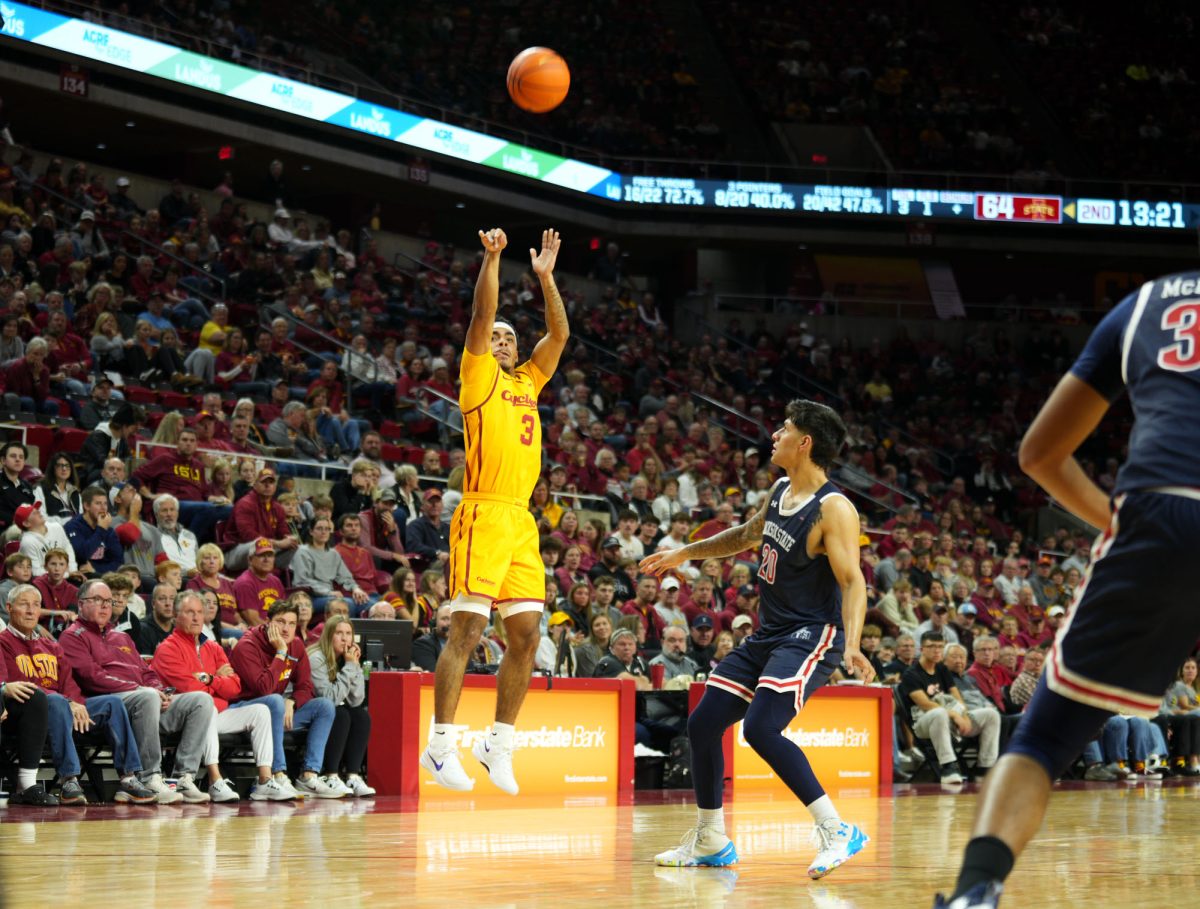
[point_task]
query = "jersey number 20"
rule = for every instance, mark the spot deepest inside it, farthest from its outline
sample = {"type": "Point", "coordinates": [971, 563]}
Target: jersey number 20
{"type": "Point", "coordinates": [1184, 319]}
{"type": "Point", "coordinates": [766, 570]}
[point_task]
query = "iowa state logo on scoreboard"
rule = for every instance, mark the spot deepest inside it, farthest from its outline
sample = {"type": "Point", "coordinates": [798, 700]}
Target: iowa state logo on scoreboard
{"type": "Point", "coordinates": [1007, 207]}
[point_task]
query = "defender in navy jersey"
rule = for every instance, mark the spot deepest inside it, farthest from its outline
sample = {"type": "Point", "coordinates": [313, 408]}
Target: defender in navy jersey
{"type": "Point", "coordinates": [811, 609]}
{"type": "Point", "coordinates": [1134, 618]}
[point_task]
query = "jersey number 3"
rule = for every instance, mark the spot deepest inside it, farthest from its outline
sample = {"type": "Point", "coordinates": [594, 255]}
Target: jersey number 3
{"type": "Point", "coordinates": [527, 435]}
{"type": "Point", "coordinates": [1184, 354]}
{"type": "Point", "coordinates": [766, 570]}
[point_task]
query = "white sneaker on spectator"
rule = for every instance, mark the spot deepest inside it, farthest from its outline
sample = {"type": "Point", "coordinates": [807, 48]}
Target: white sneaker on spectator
{"type": "Point", "coordinates": [186, 786]}
{"type": "Point", "coordinates": [498, 762]}
{"type": "Point", "coordinates": [447, 770]}
{"type": "Point", "coordinates": [318, 787]}
{"type": "Point", "coordinates": [339, 784]}
{"type": "Point", "coordinates": [286, 785]}
{"type": "Point", "coordinates": [222, 791]}
{"type": "Point", "coordinates": [163, 794]}
{"type": "Point", "coordinates": [700, 846]}
{"type": "Point", "coordinates": [270, 791]}
{"type": "Point", "coordinates": [358, 787]}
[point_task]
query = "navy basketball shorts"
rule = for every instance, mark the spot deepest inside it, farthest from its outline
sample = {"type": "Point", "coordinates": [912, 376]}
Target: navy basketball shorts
{"type": "Point", "coordinates": [1134, 619]}
{"type": "Point", "coordinates": [797, 663]}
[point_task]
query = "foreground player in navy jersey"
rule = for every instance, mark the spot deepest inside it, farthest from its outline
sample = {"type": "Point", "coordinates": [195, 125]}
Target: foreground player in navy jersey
{"type": "Point", "coordinates": [812, 604]}
{"type": "Point", "coordinates": [1134, 619]}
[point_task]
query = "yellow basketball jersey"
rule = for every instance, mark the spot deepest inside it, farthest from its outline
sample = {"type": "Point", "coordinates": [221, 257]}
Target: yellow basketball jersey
{"type": "Point", "coordinates": [501, 427]}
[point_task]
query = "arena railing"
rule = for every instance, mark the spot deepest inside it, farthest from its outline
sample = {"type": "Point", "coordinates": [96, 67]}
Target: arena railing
{"type": "Point", "coordinates": [143, 445]}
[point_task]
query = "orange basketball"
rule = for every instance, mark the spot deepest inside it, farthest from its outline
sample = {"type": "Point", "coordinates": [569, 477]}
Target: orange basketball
{"type": "Point", "coordinates": [538, 79]}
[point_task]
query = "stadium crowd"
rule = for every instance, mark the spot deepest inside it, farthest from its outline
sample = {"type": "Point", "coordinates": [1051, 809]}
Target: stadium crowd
{"type": "Point", "coordinates": [933, 101]}
{"type": "Point", "coordinates": [276, 401]}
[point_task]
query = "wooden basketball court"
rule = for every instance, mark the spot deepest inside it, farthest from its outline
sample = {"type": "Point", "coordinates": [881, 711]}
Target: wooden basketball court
{"type": "Point", "coordinates": [1118, 845]}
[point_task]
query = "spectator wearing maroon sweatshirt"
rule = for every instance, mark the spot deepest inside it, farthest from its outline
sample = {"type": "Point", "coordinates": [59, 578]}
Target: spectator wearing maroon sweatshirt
{"type": "Point", "coordinates": [181, 473]}
{"type": "Point", "coordinates": [106, 661]}
{"type": "Point", "coordinates": [258, 515]}
{"type": "Point", "coordinates": [30, 656]}
{"type": "Point", "coordinates": [272, 660]}
{"type": "Point", "coordinates": [29, 379]}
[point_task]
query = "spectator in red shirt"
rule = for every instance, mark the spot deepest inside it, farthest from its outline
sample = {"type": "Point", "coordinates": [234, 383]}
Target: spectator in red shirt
{"type": "Point", "coordinates": [358, 558]}
{"type": "Point", "coordinates": [191, 664]}
{"type": "Point", "coordinates": [989, 675]}
{"type": "Point", "coordinates": [58, 594]}
{"type": "Point", "coordinates": [257, 515]}
{"type": "Point", "coordinates": [271, 659]}
{"type": "Point", "coordinates": [33, 657]}
{"type": "Point", "coordinates": [257, 589]}
{"type": "Point", "coordinates": [181, 473]}
{"type": "Point", "coordinates": [29, 379]}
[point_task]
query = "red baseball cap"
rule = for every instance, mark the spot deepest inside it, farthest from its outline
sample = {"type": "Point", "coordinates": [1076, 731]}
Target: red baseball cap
{"type": "Point", "coordinates": [21, 515]}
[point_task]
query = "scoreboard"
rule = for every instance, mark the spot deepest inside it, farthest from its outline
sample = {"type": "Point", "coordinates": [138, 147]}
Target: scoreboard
{"type": "Point", "coordinates": [877, 202]}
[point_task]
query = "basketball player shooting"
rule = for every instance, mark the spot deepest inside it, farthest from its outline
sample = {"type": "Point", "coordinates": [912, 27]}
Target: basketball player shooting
{"type": "Point", "coordinates": [813, 603]}
{"type": "Point", "coordinates": [494, 558]}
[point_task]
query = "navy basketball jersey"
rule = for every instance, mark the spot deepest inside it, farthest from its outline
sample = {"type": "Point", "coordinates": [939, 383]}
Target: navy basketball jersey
{"type": "Point", "coordinates": [1150, 345]}
{"type": "Point", "coordinates": [795, 589]}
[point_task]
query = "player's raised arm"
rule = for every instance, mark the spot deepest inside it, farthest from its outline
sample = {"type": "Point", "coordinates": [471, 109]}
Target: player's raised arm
{"type": "Point", "coordinates": [839, 536]}
{"type": "Point", "coordinates": [726, 543]}
{"type": "Point", "coordinates": [487, 293]}
{"type": "Point", "coordinates": [1071, 414]}
{"type": "Point", "coordinates": [550, 348]}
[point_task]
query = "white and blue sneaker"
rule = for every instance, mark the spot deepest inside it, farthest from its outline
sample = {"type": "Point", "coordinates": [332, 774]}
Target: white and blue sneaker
{"type": "Point", "coordinates": [837, 842]}
{"type": "Point", "coordinates": [447, 770]}
{"type": "Point", "coordinates": [700, 846]}
{"type": "Point", "coordinates": [981, 896]}
{"type": "Point", "coordinates": [498, 762]}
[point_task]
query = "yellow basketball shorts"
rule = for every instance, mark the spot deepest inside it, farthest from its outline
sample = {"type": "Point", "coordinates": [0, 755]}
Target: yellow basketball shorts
{"type": "Point", "coordinates": [494, 551]}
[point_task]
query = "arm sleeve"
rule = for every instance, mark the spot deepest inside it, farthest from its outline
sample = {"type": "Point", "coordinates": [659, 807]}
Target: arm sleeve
{"type": "Point", "coordinates": [66, 673]}
{"type": "Point", "coordinates": [342, 575]}
{"type": "Point", "coordinates": [1099, 365]}
{"type": "Point", "coordinates": [258, 680]}
{"type": "Point", "coordinates": [171, 666]}
{"type": "Point", "coordinates": [302, 685]}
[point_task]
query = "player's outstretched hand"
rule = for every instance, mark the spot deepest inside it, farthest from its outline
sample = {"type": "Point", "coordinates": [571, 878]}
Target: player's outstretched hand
{"type": "Point", "coordinates": [543, 262]}
{"type": "Point", "coordinates": [661, 562]}
{"type": "Point", "coordinates": [860, 667]}
{"type": "Point", "coordinates": [494, 240]}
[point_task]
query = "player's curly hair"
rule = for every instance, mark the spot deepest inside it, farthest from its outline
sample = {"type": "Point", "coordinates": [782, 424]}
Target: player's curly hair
{"type": "Point", "coordinates": [823, 424]}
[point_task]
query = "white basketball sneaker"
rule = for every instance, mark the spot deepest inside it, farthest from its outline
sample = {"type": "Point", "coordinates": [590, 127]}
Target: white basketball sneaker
{"type": "Point", "coordinates": [498, 762]}
{"type": "Point", "coordinates": [837, 842]}
{"type": "Point", "coordinates": [700, 846]}
{"type": "Point", "coordinates": [447, 770]}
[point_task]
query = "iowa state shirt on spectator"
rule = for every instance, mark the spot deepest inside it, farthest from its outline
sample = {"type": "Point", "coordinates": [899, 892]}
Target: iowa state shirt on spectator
{"type": "Point", "coordinates": [169, 473]}
{"type": "Point", "coordinates": [256, 594]}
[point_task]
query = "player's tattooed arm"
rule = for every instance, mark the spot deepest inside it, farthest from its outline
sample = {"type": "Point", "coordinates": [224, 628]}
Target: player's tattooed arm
{"type": "Point", "coordinates": [734, 540]}
{"type": "Point", "coordinates": [549, 349]}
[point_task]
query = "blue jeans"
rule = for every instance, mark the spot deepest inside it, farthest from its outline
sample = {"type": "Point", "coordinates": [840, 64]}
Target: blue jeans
{"type": "Point", "coordinates": [273, 703]}
{"type": "Point", "coordinates": [201, 517]}
{"type": "Point", "coordinates": [109, 714]}
{"type": "Point", "coordinates": [1123, 734]}
{"type": "Point", "coordinates": [316, 716]}
{"type": "Point", "coordinates": [188, 313]}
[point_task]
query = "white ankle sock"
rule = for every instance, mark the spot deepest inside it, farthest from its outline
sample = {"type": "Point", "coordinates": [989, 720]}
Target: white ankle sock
{"type": "Point", "coordinates": [501, 734]}
{"type": "Point", "coordinates": [712, 819]}
{"type": "Point", "coordinates": [26, 778]}
{"type": "Point", "coordinates": [822, 810]}
{"type": "Point", "coordinates": [442, 739]}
